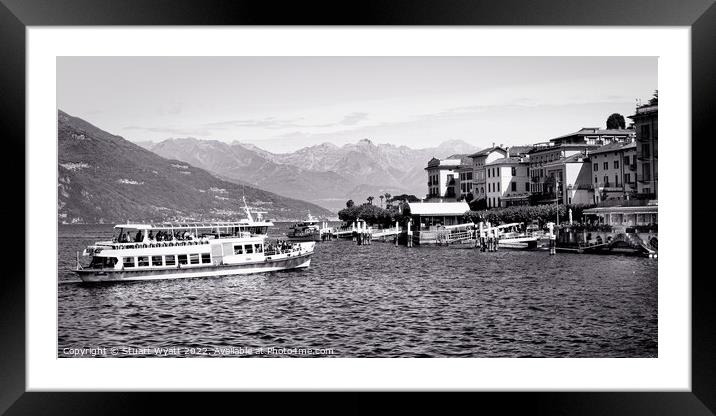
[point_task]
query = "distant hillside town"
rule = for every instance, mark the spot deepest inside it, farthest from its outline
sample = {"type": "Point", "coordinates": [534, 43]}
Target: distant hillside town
{"type": "Point", "coordinates": [612, 166]}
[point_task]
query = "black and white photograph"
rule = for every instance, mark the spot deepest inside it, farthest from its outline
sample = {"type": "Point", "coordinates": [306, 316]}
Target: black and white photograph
{"type": "Point", "coordinates": [357, 206]}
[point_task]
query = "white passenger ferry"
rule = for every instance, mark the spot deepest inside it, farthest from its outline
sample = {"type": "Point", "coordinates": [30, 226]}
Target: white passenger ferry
{"type": "Point", "coordinates": [182, 250]}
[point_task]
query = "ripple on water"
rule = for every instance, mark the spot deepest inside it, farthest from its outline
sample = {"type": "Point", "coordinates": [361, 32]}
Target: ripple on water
{"type": "Point", "coordinates": [380, 301]}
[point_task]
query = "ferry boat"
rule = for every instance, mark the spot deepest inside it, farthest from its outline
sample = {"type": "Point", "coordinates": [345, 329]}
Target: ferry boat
{"type": "Point", "coordinates": [307, 230]}
{"type": "Point", "coordinates": [197, 249]}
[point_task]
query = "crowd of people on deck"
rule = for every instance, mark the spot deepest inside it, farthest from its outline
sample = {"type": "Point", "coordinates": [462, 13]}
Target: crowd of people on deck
{"type": "Point", "coordinates": [161, 236]}
{"type": "Point", "coordinates": [280, 247]}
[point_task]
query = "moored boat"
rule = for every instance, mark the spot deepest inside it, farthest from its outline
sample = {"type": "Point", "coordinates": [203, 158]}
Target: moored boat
{"type": "Point", "coordinates": [307, 230]}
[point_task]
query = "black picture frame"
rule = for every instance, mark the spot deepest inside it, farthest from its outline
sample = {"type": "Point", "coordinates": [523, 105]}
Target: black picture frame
{"type": "Point", "coordinates": [16, 15]}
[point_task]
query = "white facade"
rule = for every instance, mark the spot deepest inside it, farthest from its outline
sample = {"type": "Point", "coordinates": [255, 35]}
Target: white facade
{"type": "Point", "coordinates": [506, 178]}
{"type": "Point", "coordinates": [479, 161]}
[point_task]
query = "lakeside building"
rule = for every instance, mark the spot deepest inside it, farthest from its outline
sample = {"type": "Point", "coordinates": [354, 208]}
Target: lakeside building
{"type": "Point", "coordinates": [507, 182]}
{"type": "Point", "coordinates": [614, 169]}
{"type": "Point", "coordinates": [552, 165]}
{"type": "Point", "coordinates": [465, 180]}
{"type": "Point", "coordinates": [593, 136]}
{"type": "Point", "coordinates": [442, 176]}
{"type": "Point", "coordinates": [568, 180]}
{"type": "Point", "coordinates": [479, 160]}
{"type": "Point", "coordinates": [647, 133]}
{"type": "Point", "coordinates": [430, 219]}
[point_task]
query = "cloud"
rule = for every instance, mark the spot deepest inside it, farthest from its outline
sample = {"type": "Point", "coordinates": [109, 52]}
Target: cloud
{"type": "Point", "coordinates": [353, 118]}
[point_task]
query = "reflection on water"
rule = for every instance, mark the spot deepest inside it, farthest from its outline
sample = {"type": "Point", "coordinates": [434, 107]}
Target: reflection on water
{"type": "Point", "coordinates": [372, 301]}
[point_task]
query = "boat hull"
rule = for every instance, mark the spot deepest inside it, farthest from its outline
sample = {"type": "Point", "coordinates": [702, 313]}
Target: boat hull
{"type": "Point", "coordinates": [287, 263]}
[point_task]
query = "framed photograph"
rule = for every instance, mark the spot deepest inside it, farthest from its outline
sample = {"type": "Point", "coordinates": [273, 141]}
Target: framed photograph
{"type": "Point", "coordinates": [432, 197]}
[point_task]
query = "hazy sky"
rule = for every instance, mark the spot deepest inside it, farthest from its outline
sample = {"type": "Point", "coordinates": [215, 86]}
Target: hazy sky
{"type": "Point", "coordinates": [284, 103]}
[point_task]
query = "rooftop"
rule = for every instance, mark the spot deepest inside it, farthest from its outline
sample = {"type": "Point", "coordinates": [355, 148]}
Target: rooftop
{"type": "Point", "coordinates": [508, 161]}
{"type": "Point", "coordinates": [438, 208]}
{"type": "Point", "coordinates": [487, 151]}
{"type": "Point", "coordinates": [538, 149]}
{"type": "Point", "coordinates": [590, 131]}
{"type": "Point", "coordinates": [614, 147]}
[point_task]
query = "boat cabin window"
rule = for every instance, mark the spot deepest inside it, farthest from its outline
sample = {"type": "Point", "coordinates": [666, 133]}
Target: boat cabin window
{"type": "Point", "coordinates": [239, 249]}
{"type": "Point", "coordinates": [103, 262]}
{"type": "Point", "coordinates": [170, 260]}
{"type": "Point", "coordinates": [156, 260]}
{"type": "Point", "coordinates": [194, 258]}
{"type": "Point", "coordinates": [182, 259]}
{"type": "Point", "coordinates": [259, 248]}
{"type": "Point", "coordinates": [143, 261]}
{"type": "Point", "coordinates": [249, 249]}
{"type": "Point", "coordinates": [128, 262]}
{"type": "Point", "coordinates": [205, 258]}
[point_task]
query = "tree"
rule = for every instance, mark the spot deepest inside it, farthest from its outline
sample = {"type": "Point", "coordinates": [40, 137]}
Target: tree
{"type": "Point", "coordinates": [405, 197]}
{"type": "Point", "coordinates": [370, 200]}
{"type": "Point", "coordinates": [655, 99]}
{"type": "Point", "coordinates": [381, 200]}
{"type": "Point", "coordinates": [350, 203]}
{"type": "Point", "coordinates": [387, 199]}
{"type": "Point", "coordinates": [616, 121]}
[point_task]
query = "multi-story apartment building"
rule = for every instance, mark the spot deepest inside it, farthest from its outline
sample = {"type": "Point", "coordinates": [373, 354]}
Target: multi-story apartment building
{"type": "Point", "coordinates": [507, 182]}
{"type": "Point", "coordinates": [444, 176]}
{"type": "Point", "coordinates": [614, 168]}
{"type": "Point", "coordinates": [479, 161]}
{"type": "Point", "coordinates": [593, 136]}
{"type": "Point", "coordinates": [465, 179]}
{"type": "Point", "coordinates": [567, 180]}
{"type": "Point", "coordinates": [553, 156]}
{"type": "Point", "coordinates": [647, 134]}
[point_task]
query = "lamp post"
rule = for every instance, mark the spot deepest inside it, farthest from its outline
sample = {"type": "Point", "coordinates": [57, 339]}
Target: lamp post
{"type": "Point", "coordinates": [556, 197]}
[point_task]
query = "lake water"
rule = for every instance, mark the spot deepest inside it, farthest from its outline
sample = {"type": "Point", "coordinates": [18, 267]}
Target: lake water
{"type": "Point", "coordinates": [370, 301]}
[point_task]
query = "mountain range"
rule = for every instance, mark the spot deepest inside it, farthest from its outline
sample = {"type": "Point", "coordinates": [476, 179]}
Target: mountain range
{"type": "Point", "coordinates": [325, 174]}
{"type": "Point", "coordinates": [105, 178]}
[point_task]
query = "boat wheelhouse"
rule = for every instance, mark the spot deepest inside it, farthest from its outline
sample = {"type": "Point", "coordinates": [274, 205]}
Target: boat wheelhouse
{"type": "Point", "coordinates": [180, 250]}
{"type": "Point", "coordinates": [307, 230]}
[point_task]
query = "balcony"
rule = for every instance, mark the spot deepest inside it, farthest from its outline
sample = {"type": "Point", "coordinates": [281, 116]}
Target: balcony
{"type": "Point", "coordinates": [581, 186]}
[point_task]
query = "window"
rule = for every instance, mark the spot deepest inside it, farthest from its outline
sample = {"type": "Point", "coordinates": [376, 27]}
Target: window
{"type": "Point", "coordinates": [156, 260]}
{"type": "Point", "coordinates": [514, 186]}
{"type": "Point", "coordinates": [616, 180]}
{"type": "Point", "coordinates": [194, 258]}
{"type": "Point", "coordinates": [249, 249]}
{"type": "Point", "coordinates": [498, 171]}
{"type": "Point", "coordinates": [645, 149]}
{"type": "Point", "coordinates": [514, 171]}
{"type": "Point", "coordinates": [128, 262]}
{"type": "Point", "coordinates": [258, 248]}
{"type": "Point", "coordinates": [606, 165]}
{"type": "Point", "coordinates": [143, 261]}
{"type": "Point", "coordinates": [645, 131]}
{"type": "Point", "coordinates": [616, 164]}
{"type": "Point", "coordinates": [596, 167]}
{"type": "Point", "coordinates": [626, 160]}
{"type": "Point", "coordinates": [595, 180]}
{"type": "Point", "coordinates": [646, 171]}
{"type": "Point", "coordinates": [498, 189]}
{"type": "Point", "coordinates": [170, 260]}
{"type": "Point", "coordinates": [527, 186]}
{"type": "Point", "coordinates": [182, 259]}
{"type": "Point", "coordinates": [606, 180]}
{"type": "Point", "coordinates": [205, 258]}
{"type": "Point", "coordinates": [239, 249]}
